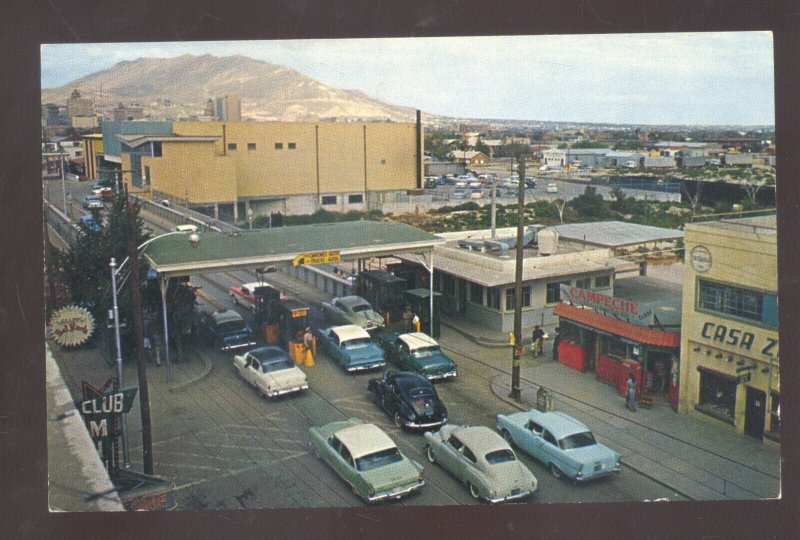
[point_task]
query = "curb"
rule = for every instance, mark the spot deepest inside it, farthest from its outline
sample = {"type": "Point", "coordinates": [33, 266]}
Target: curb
{"type": "Point", "coordinates": [480, 340]}
{"type": "Point", "coordinates": [207, 367]}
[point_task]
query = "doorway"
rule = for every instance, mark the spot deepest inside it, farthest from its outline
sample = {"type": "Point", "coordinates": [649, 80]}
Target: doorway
{"type": "Point", "coordinates": [754, 412]}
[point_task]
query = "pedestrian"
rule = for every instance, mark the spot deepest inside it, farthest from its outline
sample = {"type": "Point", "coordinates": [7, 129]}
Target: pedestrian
{"type": "Point", "coordinates": [308, 341]}
{"type": "Point", "coordinates": [660, 378]}
{"type": "Point", "coordinates": [556, 339]}
{"type": "Point", "coordinates": [538, 339]}
{"type": "Point", "coordinates": [630, 393]}
{"type": "Point", "coordinates": [415, 322]}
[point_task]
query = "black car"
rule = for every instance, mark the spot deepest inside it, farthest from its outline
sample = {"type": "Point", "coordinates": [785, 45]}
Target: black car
{"type": "Point", "coordinates": [410, 399]}
{"type": "Point", "coordinates": [530, 182]}
{"type": "Point", "coordinates": [226, 330]}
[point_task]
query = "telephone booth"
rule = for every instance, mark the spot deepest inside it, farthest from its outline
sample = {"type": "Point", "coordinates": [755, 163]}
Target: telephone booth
{"type": "Point", "coordinates": [384, 291]}
{"type": "Point", "coordinates": [265, 306]}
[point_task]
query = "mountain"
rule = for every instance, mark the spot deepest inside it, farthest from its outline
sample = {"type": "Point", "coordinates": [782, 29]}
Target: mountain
{"type": "Point", "coordinates": [180, 87]}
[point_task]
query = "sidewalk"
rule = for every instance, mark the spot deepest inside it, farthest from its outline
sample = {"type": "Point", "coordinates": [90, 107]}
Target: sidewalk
{"type": "Point", "coordinates": [696, 459]}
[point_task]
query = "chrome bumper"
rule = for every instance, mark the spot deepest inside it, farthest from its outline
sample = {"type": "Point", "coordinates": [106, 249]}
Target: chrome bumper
{"type": "Point", "coordinates": [273, 393]}
{"type": "Point", "coordinates": [410, 424]}
{"type": "Point", "coordinates": [520, 495]}
{"type": "Point", "coordinates": [396, 493]}
{"type": "Point", "coordinates": [365, 367]}
{"type": "Point", "coordinates": [580, 478]}
{"type": "Point", "coordinates": [238, 346]}
{"type": "Point", "coordinates": [441, 376]}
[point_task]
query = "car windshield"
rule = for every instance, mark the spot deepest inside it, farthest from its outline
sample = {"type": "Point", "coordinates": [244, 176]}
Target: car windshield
{"type": "Point", "coordinates": [500, 456]}
{"type": "Point", "coordinates": [230, 327]}
{"type": "Point", "coordinates": [361, 307]}
{"type": "Point", "coordinates": [279, 364]}
{"type": "Point", "coordinates": [425, 352]}
{"type": "Point", "coordinates": [579, 440]}
{"type": "Point", "coordinates": [357, 343]}
{"type": "Point", "coordinates": [379, 459]}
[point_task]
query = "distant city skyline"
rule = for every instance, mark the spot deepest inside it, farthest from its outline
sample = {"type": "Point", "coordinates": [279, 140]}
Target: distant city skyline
{"type": "Point", "coordinates": [724, 78]}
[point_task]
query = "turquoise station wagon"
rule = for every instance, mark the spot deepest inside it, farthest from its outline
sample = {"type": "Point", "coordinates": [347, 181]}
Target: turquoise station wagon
{"type": "Point", "coordinates": [561, 442]}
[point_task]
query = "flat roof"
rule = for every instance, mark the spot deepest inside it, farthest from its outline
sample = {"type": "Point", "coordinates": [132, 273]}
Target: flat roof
{"type": "Point", "coordinates": [754, 225]}
{"type": "Point", "coordinates": [664, 297]}
{"type": "Point", "coordinates": [137, 140]}
{"type": "Point", "coordinates": [615, 233]}
{"type": "Point", "coordinates": [174, 255]}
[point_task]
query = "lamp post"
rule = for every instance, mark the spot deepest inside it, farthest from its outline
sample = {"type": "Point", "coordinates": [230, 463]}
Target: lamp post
{"type": "Point", "coordinates": [113, 265]}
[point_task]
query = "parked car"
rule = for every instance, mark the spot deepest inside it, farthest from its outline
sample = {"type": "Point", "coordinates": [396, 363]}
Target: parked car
{"type": "Point", "coordinates": [92, 202]}
{"type": "Point", "coordinates": [242, 295]}
{"type": "Point", "coordinates": [101, 185]}
{"type": "Point", "coordinates": [106, 194]}
{"type": "Point", "coordinates": [352, 310]}
{"type": "Point", "coordinates": [410, 399]}
{"type": "Point", "coordinates": [367, 459]}
{"type": "Point", "coordinates": [511, 193]}
{"type": "Point", "coordinates": [419, 353]}
{"type": "Point", "coordinates": [552, 187]}
{"type": "Point", "coordinates": [459, 194]}
{"type": "Point", "coordinates": [351, 347]}
{"type": "Point", "coordinates": [561, 442]}
{"type": "Point", "coordinates": [270, 371]}
{"type": "Point", "coordinates": [474, 183]}
{"type": "Point", "coordinates": [482, 460]}
{"type": "Point", "coordinates": [530, 182]}
{"type": "Point", "coordinates": [476, 194]}
{"type": "Point", "coordinates": [90, 223]}
{"type": "Point", "coordinates": [441, 181]}
{"type": "Point", "coordinates": [186, 227]}
{"type": "Point", "coordinates": [225, 329]}
{"type": "Point", "coordinates": [430, 182]}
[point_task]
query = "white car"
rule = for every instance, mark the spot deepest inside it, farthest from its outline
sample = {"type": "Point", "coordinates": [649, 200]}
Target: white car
{"type": "Point", "coordinates": [242, 295]}
{"type": "Point", "coordinates": [187, 227]}
{"type": "Point", "coordinates": [271, 371]}
{"type": "Point", "coordinates": [552, 188]}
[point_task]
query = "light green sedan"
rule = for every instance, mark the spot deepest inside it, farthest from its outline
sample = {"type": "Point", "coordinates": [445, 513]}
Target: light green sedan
{"type": "Point", "coordinates": [367, 459]}
{"type": "Point", "coordinates": [481, 459]}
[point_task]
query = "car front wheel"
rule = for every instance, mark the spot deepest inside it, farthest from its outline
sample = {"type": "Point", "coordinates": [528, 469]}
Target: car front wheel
{"type": "Point", "coordinates": [473, 491]}
{"type": "Point", "coordinates": [556, 471]}
{"type": "Point", "coordinates": [398, 420]}
{"type": "Point", "coordinates": [429, 453]}
{"type": "Point", "coordinates": [234, 300]}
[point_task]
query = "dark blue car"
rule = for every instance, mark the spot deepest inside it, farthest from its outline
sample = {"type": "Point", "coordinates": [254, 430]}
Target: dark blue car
{"type": "Point", "coordinates": [226, 330]}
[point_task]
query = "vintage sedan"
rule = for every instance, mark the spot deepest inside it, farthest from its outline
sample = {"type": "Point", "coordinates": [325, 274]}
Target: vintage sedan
{"type": "Point", "coordinates": [226, 330]}
{"type": "Point", "coordinates": [481, 459]}
{"type": "Point", "coordinates": [410, 399]}
{"type": "Point", "coordinates": [418, 352]}
{"type": "Point", "coordinates": [561, 442]}
{"type": "Point", "coordinates": [351, 347]}
{"type": "Point", "coordinates": [352, 310]}
{"type": "Point", "coordinates": [243, 295]}
{"type": "Point", "coordinates": [271, 371]}
{"type": "Point", "coordinates": [91, 202]}
{"type": "Point", "coordinates": [366, 458]}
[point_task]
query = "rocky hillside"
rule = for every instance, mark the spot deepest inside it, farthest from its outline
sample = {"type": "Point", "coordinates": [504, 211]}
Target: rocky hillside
{"type": "Point", "coordinates": [180, 87]}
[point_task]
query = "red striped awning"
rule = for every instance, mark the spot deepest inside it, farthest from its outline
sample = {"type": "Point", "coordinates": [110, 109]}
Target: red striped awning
{"type": "Point", "coordinates": [592, 319]}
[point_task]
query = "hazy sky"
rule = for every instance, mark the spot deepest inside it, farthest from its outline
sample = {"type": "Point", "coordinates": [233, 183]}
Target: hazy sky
{"type": "Point", "coordinates": [701, 78]}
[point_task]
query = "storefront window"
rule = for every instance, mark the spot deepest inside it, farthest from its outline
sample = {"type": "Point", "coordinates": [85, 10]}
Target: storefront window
{"type": "Point", "coordinates": [569, 333]}
{"type": "Point", "coordinates": [476, 293]}
{"type": "Point", "coordinates": [554, 292]}
{"type": "Point", "coordinates": [493, 298]}
{"type": "Point", "coordinates": [601, 282]}
{"type": "Point", "coordinates": [717, 395]}
{"type": "Point", "coordinates": [615, 347]}
{"type": "Point", "coordinates": [727, 300]}
{"type": "Point", "coordinates": [585, 283]}
{"type": "Point", "coordinates": [510, 298]}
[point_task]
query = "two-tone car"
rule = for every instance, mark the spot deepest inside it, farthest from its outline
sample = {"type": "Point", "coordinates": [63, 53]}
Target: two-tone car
{"type": "Point", "coordinates": [270, 371]}
{"type": "Point", "coordinates": [244, 295]}
{"type": "Point", "coordinates": [367, 459]}
{"type": "Point", "coordinates": [353, 310]}
{"type": "Point", "coordinates": [351, 347]}
{"type": "Point", "coordinates": [482, 460]}
{"type": "Point", "coordinates": [92, 202]}
{"type": "Point", "coordinates": [226, 330]}
{"type": "Point", "coordinates": [561, 442]}
{"type": "Point", "coordinates": [410, 399]}
{"type": "Point", "coordinates": [419, 353]}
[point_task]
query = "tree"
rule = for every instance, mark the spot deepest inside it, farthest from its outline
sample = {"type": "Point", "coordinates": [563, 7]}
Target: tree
{"type": "Point", "coordinates": [590, 205]}
{"type": "Point", "coordinates": [560, 205]}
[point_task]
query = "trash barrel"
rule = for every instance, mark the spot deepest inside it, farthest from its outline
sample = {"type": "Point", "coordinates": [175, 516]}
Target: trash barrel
{"type": "Point", "coordinates": [544, 400]}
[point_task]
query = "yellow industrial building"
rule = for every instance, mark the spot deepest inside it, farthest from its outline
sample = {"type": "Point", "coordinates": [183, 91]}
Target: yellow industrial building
{"type": "Point", "coordinates": [729, 332]}
{"type": "Point", "coordinates": [275, 166]}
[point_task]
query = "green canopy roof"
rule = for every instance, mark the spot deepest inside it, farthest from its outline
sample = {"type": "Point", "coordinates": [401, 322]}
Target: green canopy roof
{"type": "Point", "coordinates": [174, 255]}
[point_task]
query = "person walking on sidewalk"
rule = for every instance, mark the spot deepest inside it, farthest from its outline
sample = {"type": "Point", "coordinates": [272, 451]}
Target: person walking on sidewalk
{"type": "Point", "coordinates": [308, 342]}
{"type": "Point", "coordinates": [538, 339]}
{"type": "Point", "coordinates": [556, 339]}
{"type": "Point", "coordinates": [630, 394]}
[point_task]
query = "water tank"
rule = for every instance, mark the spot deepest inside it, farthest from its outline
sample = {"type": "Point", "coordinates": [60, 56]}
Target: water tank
{"type": "Point", "coordinates": [548, 241]}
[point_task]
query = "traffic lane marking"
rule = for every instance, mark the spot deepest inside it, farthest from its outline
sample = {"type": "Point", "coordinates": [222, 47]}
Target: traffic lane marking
{"type": "Point", "coordinates": [241, 471]}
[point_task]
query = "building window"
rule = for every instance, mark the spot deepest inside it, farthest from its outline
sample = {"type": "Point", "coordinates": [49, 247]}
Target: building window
{"type": "Point", "coordinates": [511, 298]}
{"type": "Point", "coordinates": [717, 395]}
{"type": "Point", "coordinates": [232, 146]}
{"type": "Point", "coordinates": [251, 146]}
{"type": "Point", "coordinates": [602, 282]}
{"type": "Point", "coordinates": [278, 146]}
{"type": "Point", "coordinates": [147, 175]}
{"type": "Point", "coordinates": [157, 149]}
{"type": "Point", "coordinates": [585, 283]}
{"type": "Point", "coordinates": [476, 293]}
{"type": "Point", "coordinates": [292, 146]}
{"type": "Point", "coordinates": [355, 199]}
{"type": "Point", "coordinates": [449, 285]}
{"type": "Point", "coordinates": [493, 298]}
{"type": "Point", "coordinates": [383, 162]}
{"type": "Point", "coordinates": [328, 199]}
{"type": "Point", "coordinates": [554, 292]}
{"type": "Point", "coordinates": [735, 302]}
{"type": "Point", "coordinates": [615, 347]}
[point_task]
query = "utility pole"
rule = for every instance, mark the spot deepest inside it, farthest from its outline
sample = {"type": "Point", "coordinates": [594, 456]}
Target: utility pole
{"type": "Point", "coordinates": [138, 332]}
{"type": "Point", "coordinates": [517, 348]}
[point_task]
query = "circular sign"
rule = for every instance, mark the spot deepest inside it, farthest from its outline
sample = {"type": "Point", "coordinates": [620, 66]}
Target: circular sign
{"type": "Point", "coordinates": [71, 326]}
{"type": "Point", "coordinates": [701, 259]}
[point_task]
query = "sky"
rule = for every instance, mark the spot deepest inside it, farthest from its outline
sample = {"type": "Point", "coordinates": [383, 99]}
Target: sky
{"type": "Point", "coordinates": [681, 78]}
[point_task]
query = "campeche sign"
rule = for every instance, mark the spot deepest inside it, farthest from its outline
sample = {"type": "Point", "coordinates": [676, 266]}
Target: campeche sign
{"type": "Point", "coordinates": [317, 257]}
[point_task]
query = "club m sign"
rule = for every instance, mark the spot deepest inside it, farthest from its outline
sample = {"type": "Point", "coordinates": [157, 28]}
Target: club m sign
{"type": "Point", "coordinates": [617, 307]}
